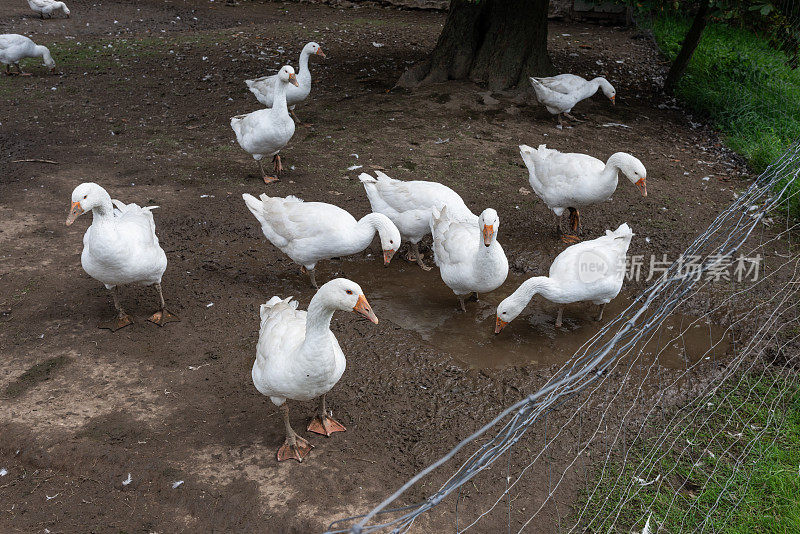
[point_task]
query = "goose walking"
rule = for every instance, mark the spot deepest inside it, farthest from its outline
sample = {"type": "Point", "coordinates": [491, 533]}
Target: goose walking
{"type": "Point", "coordinates": [409, 205]}
{"type": "Point", "coordinates": [308, 232]}
{"type": "Point", "coordinates": [559, 94]}
{"type": "Point", "coordinates": [266, 131]}
{"type": "Point", "coordinates": [120, 247]}
{"type": "Point", "coordinates": [570, 181]}
{"type": "Point", "coordinates": [48, 7]}
{"type": "Point", "coordinates": [298, 357]}
{"type": "Point", "coordinates": [592, 270]}
{"type": "Point", "coordinates": [15, 47]}
{"type": "Point", "coordinates": [264, 88]}
{"type": "Point", "coordinates": [470, 259]}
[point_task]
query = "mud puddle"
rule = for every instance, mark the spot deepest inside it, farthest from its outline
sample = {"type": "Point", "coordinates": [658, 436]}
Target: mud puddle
{"type": "Point", "coordinates": [419, 301]}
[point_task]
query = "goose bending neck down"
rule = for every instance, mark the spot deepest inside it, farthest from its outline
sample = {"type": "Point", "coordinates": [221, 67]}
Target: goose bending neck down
{"type": "Point", "coordinates": [590, 271]}
{"type": "Point", "coordinates": [308, 232]}
{"type": "Point", "coordinates": [298, 357]}
{"type": "Point", "coordinates": [569, 181]}
{"type": "Point", "coordinates": [559, 94]}
{"type": "Point", "coordinates": [15, 47]}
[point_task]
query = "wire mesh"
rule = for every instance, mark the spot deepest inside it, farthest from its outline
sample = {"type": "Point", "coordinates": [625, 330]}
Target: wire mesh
{"type": "Point", "coordinates": [617, 351]}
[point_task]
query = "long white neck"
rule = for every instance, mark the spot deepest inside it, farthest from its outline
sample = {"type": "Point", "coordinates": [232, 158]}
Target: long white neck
{"type": "Point", "coordinates": [103, 214]}
{"type": "Point", "coordinates": [303, 72]}
{"type": "Point", "coordinates": [611, 171]}
{"type": "Point", "coordinates": [316, 345]}
{"type": "Point", "coordinates": [42, 52]}
{"type": "Point", "coordinates": [541, 285]}
{"type": "Point", "coordinates": [366, 228]}
{"type": "Point", "coordinates": [279, 99]}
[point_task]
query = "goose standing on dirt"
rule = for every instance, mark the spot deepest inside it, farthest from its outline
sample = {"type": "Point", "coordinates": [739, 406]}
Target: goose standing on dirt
{"type": "Point", "coordinates": [570, 181]}
{"type": "Point", "coordinates": [120, 247]}
{"type": "Point", "coordinates": [409, 205]}
{"type": "Point", "coordinates": [308, 232]}
{"type": "Point", "coordinates": [559, 94]}
{"type": "Point", "coordinates": [264, 88]}
{"type": "Point", "coordinates": [469, 257]}
{"type": "Point", "coordinates": [593, 270]}
{"type": "Point", "coordinates": [266, 131]}
{"type": "Point", "coordinates": [48, 7]}
{"type": "Point", "coordinates": [15, 47]}
{"type": "Point", "coordinates": [299, 358]}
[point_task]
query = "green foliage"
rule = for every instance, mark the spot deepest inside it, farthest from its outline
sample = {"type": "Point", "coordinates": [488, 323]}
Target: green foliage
{"type": "Point", "coordinates": [776, 21]}
{"type": "Point", "coordinates": [733, 470]}
{"type": "Point", "coordinates": [743, 84]}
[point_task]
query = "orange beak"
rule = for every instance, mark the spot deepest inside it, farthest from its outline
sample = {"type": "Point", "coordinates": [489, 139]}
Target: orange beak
{"type": "Point", "coordinates": [499, 324]}
{"type": "Point", "coordinates": [362, 307]}
{"type": "Point", "coordinates": [614, 100]}
{"type": "Point", "coordinates": [642, 185]}
{"type": "Point", "coordinates": [293, 80]}
{"type": "Point", "coordinates": [74, 213]}
{"type": "Point", "coordinates": [319, 52]}
{"type": "Point", "coordinates": [387, 256]}
{"type": "Point", "coordinates": [488, 234]}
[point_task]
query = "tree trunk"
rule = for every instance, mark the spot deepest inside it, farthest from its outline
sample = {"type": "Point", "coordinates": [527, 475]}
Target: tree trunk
{"type": "Point", "coordinates": [690, 43]}
{"type": "Point", "coordinates": [497, 42]}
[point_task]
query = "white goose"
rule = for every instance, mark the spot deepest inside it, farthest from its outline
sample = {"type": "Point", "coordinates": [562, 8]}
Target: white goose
{"type": "Point", "coordinates": [571, 181]}
{"type": "Point", "coordinates": [308, 232]}
{"type": "Point", "coordinates": [15, 47]}
{"type": "Point", "coordinates": [120, 247]}
{"type": "Point", "coordinates": [48, 7]}
{"type": "Point", "coordinates": [559, 94]}
{"type": "Point", "coordinates": [298, 357]}
{"type": "Point", "coordinates": [409, 205]}
{"type": "Point", "coordinates": [266, 131]}
{"type": "Point", "coordinates": [469, 257]}
{"type": "Point", "coordinates": [593, 270]}
{"type": "Point", "coordinates": [264, 88]}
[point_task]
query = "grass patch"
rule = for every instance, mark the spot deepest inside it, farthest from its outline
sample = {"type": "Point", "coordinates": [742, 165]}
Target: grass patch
{"type": "Point", "coordinates": [734, 470]}
{"type": "Point", "coordinates": [743, 85]}
{"type": "Point", "coordinates": [38, 373]}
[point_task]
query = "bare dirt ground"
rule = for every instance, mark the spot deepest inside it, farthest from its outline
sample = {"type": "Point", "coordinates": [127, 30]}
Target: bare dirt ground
{"type": "Point", "coordinates": [140, 103]}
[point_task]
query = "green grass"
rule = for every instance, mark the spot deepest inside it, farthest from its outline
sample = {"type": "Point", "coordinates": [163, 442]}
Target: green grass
{"type": "Point", "coordinates": [745, 480]}
{"type": "Point", "coordinates": [746, 87]}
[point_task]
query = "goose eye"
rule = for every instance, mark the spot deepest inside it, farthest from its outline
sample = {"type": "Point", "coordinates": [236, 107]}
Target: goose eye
{"type": "Point", "coordinates": [349, 292]}
{"type": "Point", "coordinates": [85, 196]}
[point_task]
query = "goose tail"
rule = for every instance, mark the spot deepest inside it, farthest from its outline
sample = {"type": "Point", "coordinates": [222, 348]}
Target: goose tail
{"type": "Point", "coordinates": [367, 179]}
{"type": "Point", "coordinates": [256, 206]}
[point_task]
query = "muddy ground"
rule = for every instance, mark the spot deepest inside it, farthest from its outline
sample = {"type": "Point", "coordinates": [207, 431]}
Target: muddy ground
{"type": "Point", "coordinates": [140, 103]}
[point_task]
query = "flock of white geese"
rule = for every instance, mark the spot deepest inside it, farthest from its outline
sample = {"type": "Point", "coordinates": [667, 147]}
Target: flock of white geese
{"type": "Point", "coordinates": [298, 357]}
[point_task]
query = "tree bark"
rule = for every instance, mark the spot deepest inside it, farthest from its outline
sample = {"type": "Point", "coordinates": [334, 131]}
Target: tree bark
{"type": "Point", "coordinates": [497, 42]}
{"type": "Point", "coordinates": [690, 43]}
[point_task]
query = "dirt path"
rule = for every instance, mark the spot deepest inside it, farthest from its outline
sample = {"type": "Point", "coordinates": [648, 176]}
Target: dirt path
{"type": "Point", "coordinates": [141, 104]}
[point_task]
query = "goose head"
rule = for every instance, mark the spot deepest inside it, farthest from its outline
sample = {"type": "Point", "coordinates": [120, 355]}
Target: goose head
{"type": "Point", "coordinates": [313, 48]}
{"type": "Point", "coordinates": [286, 75]}
{"type": "Point", "coordinates": [44, 52]}
{"type": "Point", "coordinates": [86, 197]}
{"type": "Point", "coordinates": [390, 240]}
{"type": "Point", "coordinates": [509, 309]}
{"type": "Point", "coordinates": [633, 169]}
{"type": "Point", "coordinates": [489, 223]}
{"type": "Point", "coordinates": [607, 89]}
{"type": "Point", "coordinates": [346, 295]}
{"type": "Point", "coordinates": [65, 9]}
